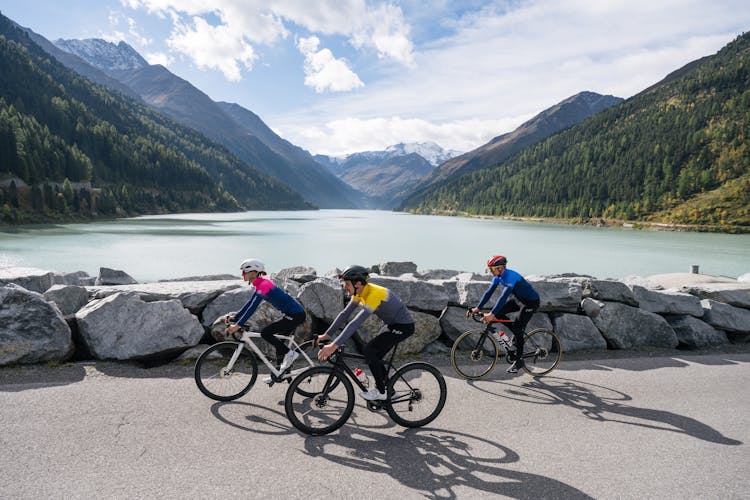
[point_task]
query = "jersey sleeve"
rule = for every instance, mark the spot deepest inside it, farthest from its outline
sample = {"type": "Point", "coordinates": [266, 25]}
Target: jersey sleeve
{"type": "Point", "coordinates": [489, 292]}
{"type": "Point", "coordinates": [249, 308]}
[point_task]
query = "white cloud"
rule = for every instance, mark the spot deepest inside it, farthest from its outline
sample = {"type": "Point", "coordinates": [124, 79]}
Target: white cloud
{"type": "Point", "coordinates": [323, 71]}
{"type": "Point", "coordinates": [215, 47]}
{"type": "Point", "coordinates": [158, 58]}
{"type": "Point", "coordinates": [249, 23]}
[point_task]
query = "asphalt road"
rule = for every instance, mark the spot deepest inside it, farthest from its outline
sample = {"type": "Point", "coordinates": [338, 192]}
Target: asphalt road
{"type": "Point", "coordinates": [673, 426]}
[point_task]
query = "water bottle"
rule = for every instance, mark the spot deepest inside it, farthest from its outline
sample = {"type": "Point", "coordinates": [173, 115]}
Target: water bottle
{"type": "Point", "coordinates": [503, 339]}
{"type": "Point", "coordinates": [362, 377]}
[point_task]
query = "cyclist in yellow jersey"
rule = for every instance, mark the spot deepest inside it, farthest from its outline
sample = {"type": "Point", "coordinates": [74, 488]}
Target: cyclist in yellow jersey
{"type": "Point", "coordinates": [368, 298]}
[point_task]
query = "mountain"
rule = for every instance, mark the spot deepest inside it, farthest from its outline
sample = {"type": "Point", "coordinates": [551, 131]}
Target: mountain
{"type": "Point", "coordinates": [676, 153]}
{"type": "Point", "coordinates": [387, 176]}
{"type": "Point", "coordinates": [236, 128]}
{"type": "Point", "coordinates": [70, 148]}
{"type": "Point", "coordinates": [569, 112]}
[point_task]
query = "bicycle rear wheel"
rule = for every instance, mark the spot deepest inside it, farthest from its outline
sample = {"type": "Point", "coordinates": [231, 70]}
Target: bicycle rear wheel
{"type": "Point", "coordinates": [319, 400]}
{"type": "Point", "coordinates": [417, 394]}
{"type": "Point", "coordinates": [541, 352]}
{"type": "Point", "coordinates": [219, 381]}
{"type": "Point", "coordinates": [474, 354]}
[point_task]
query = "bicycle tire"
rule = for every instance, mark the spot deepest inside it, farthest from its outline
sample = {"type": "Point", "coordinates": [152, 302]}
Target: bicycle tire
{"type": "Point", "coordinates": [330, 405]}
{"type": "Point", "coordinates": [469, 359]}
{"type": "Point", "coordinates": [417, 394]}
{"type": "Point", "coordinates": [542, 351]}
{"type": "Point", "coordinates": [215, 382]}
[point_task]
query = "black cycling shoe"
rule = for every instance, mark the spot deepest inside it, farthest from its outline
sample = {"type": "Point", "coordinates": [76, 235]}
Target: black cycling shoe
{"type": "Point", "coordinates": [517, 365]}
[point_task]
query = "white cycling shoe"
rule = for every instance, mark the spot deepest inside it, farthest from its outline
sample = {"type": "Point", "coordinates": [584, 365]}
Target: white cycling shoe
{"type": "Point", "coordinates": [374, 395]}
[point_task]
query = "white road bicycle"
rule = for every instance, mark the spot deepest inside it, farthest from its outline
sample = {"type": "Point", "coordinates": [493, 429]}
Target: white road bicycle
{"type": "Point", "coordinates": [227, 370]}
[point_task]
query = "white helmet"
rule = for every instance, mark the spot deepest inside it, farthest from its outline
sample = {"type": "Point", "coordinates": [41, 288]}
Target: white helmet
{"type": "Point", "coordinates": [252, 265]}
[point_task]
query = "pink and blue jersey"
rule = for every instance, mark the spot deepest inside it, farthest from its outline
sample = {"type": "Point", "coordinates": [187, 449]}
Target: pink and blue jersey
{"type": "Point", "coordinates": [266, 289]}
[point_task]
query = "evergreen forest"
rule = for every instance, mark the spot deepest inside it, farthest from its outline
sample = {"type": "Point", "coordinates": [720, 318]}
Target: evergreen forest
{"type": "Point", "coordinates": [676, 154]}
{"type": "Point", "coordinates": [73, 150]}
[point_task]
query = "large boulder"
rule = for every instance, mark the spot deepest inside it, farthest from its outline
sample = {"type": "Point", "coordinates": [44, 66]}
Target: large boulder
{"type": "Point", "coordinates": [626, 327]}
{"type": "Point", "coordinates": [667, 301]}
{"type": "Point", "coordinates": [558, 296]}
{"type": "Point", "coordinates": [416, 294]}
{"type": "Point", "coordinates": [68, 298]}
{"type": "Point", "coordinates": [577, 332]}
{"type": "Point", "coordinates": [77, 278]}
{"type": "Point", "coordinates": [426, 330]}
{"type": "Point", "coordinates": [36, 280]}
{"type": "Point", "coordinates": [124, 327]}
{"type": "Point", "coordinates": [726, 317]}
{"type": "Point", "coordinates": [109, 276]}
{"type": "Point", "coordinates": [608, 290]}
{"type": "Point", "coordinates": [300, 274]}
{"type": "Point", "coordinates": [322, 298]}
{"type": "Point", "coordinates": [735, 294]}
{"type": "Point", "coordinates": [437, 274]}
{"type": "Point", "coordinates": [194, 295]}
{"type": "Point", "coordinates": [228, 302]}
{"type": "Point", "coordinates": [33, 330]}
{"type": "Point", "coordinates": [397, 268]}
{"type": "Point", "coordinates": [693, 333]}
{"type": "Point", "coordinates": [453, 322]}
{"type": "Point", "coordinates": [471, 292]}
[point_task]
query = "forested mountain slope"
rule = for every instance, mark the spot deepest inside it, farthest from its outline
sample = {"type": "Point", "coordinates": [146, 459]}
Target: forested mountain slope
{"type": "Point", "coordinates": [71, 148]}
{"type": "Point", "coordinates": [676, 153]}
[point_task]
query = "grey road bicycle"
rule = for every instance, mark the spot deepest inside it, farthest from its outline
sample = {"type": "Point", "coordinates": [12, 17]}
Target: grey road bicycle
{"type": "Point", "coordinates": [227, 370]}
{"type": "Point", "coordinates": [475, 352]}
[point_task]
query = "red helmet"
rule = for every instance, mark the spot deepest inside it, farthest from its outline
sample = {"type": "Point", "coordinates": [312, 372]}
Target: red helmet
{"type": "Point", "coordinates": [497, 260]}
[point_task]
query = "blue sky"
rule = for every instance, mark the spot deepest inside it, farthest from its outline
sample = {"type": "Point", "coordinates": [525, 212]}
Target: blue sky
{"type": "Point", "coordinates": [340, 76]}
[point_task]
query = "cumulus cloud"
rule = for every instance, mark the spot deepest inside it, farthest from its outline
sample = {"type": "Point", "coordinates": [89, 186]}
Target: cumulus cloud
{"type": "Point", "coordinates": [158, 58]}
{"type": "Point", "coordinates": [323, 71]}
{"type": "Point", "coordinates": [248, 23]}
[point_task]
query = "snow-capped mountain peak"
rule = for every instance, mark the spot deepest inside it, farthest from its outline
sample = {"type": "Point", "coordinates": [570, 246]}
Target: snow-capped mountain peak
{"type": "Point", "coordinates": [103, 54]}
{"type": "Point", "coordinates": [427, 150]}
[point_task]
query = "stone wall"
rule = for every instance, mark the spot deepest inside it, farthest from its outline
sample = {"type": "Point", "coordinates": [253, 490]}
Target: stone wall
{"type": "Point", "coordinates": [48, 316]}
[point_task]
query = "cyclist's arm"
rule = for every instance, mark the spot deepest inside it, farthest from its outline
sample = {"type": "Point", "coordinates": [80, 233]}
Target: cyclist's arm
{"type": "Point", "coordinates": [340, 320]}
{"type": "Point", "coordinates": [352, 326]}
{"type": "Point", "coordinates": [249, 308]}
{"type": "Point", "coordinates": [488, 293]}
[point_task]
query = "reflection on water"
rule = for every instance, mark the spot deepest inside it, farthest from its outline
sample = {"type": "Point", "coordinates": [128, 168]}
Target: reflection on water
{"type": "Point", "coordinates": [170, 246]}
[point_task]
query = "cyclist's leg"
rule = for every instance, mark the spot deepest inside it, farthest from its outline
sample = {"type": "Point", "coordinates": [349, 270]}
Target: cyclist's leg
{"type": "Point", "coordinates": [285, 326]}
{"type": "Point", "coordinates": [519, 326]}
{"type": "Point", "coordinates": [378, 347]}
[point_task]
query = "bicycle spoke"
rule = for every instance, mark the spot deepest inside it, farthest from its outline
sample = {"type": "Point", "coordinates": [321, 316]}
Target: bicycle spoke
{"type": "Point", "coordinates": [541, 351]}
{"type": "Point", "coordinates": [474, 354]}
{"type": "Point", "coordinates": [417, 395]}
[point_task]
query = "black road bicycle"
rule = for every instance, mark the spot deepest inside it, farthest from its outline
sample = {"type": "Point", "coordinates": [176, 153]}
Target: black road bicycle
{"type": "Point", "coordinates": [321, 399]}
{"type": "Point", "coordinates": [475, 352]}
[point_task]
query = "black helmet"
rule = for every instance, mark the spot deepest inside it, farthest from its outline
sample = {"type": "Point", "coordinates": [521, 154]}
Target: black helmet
{"type": "Point", "coordinates": [355, 273]}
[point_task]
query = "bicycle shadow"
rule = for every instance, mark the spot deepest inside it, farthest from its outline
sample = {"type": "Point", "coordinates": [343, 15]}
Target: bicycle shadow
{"type": "Point", "coordinates": [437, 463]}
{"type": "Point", "coordinates": [604, 404]}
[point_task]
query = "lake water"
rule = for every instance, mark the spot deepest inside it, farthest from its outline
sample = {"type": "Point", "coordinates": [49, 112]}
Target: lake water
{"type": "Point", "coordinates": [171, 246]}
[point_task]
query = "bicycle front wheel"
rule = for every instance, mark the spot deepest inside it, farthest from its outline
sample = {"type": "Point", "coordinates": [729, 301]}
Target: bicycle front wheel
{"type": "Point", "coordinates": [220, 380]}
{"type": "Point", "coordinates": [541, 352]}
{"type": "Point", "coordinates": [319, 400]}
{"type": "Point", "coordinates": [474, 354]}
{"type": "Point", "coordinates": [417, 395]}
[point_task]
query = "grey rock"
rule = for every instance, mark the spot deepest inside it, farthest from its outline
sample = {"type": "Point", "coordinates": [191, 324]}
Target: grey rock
{"type": "Point", "coordinates": [300, 274]}
{"type": "Point", "coordinates": [558, 296]}
{"type": "Point", "coordinates": [194, 295]}
{"type": "Point", "coordinates": [577, 332]}
{"type": "Point", "coordinates": [471, 292]}
{"type": "Point", "coordinates": [744, 278]}
{"type": "Point", "coordinates": [31, 329]}
{"type": "Point", "coordinates": [77, 278]}
{"type": "Point", "coordinates": [726, 317]}
{"type": "Point", "coordinates": [397, 268]}
{"type": "Point", "coordinates": [437, 274]}
{"type": "Point", "coordinates": [416, 294]}
{"type": "Point", "coordinates": [453, 322]}
{"type": "Point", "coordinates": [627, 327]}
{"type": "Point", "coordinates": [68, 298]}
{"type": "Point", "coordinates": [322, 298]}
{"type": "Point", "coordinates": [693, 333]}
{"type": "Point", "coordinates": [124, 327]}
{"type": "Point", "coordinates": [667, 301]}
{"type": "Point", "coordinates": [228, 302]}
{"type": "Point", "coordinates": [109, 276]}
{"type": "Point", "coordinates": [426, 330]}
{"type": "Point", "coordinates": [734, 294]}
{"type": "Point", "coordinates": [36, 280]}
{"type": "Point", "coordinates": [465, 276]}
{"type": "Point", "coordinates": [212, 277]}
{"type": "Point", "coordinates": [611, 291]}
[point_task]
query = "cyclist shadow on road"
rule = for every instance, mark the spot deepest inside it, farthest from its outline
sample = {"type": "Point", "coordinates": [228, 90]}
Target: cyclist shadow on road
{"type": "Point", "coordinates": [252, 417]}
{"type": "Point", "coordinates": [436, 462]}
{"type": "Point", "coordinates": [604, 404]}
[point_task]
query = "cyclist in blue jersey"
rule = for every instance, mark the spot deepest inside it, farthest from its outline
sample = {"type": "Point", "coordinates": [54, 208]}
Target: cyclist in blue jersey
{"type": "Point", "coordinates": [525, 299]}
{"type": "Point", "coordinates": [253, 271]}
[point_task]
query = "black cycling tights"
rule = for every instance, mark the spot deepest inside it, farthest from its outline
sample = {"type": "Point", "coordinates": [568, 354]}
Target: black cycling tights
{"type": "Point", "coordinates": [378, 347]}
{"type": "Point", "coordinates": [284, 326]}
{"type": "Point", "coordinates": [519, 325]}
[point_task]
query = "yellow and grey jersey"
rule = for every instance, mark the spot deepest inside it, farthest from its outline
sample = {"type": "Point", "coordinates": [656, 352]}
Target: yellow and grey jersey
{"type": "Point", "coordinates": [374, 299]}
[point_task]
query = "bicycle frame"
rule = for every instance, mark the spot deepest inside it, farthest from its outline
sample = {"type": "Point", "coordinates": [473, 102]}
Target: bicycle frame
{"type": "Point", "coordinates": [246, 340]}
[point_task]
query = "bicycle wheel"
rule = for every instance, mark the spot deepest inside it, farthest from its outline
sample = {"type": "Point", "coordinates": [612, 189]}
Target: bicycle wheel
{"type": "Point", "coordinates": [471, 359]}
{"type": "Point", "coordinates": [417, 394]}
{"type": "Point", "coordinates": [217, 380]}
{"type": "Point", "coordinates": [329, 406]}
{"type": "Point", "coordinates": [300, 364]}
{"type": "Point", "coordinates": [541, 352]}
